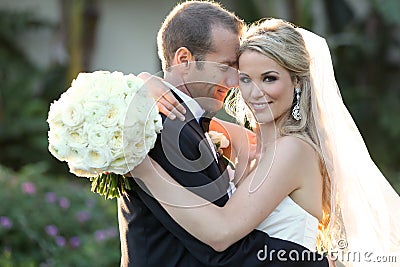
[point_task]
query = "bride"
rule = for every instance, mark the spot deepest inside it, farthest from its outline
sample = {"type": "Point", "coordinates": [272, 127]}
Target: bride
{"type": "Point", "coordinates": [313, 183]}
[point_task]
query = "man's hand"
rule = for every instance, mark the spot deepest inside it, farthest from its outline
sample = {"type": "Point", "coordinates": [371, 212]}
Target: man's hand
{"type": "Point", "coordinates": [166, 101]}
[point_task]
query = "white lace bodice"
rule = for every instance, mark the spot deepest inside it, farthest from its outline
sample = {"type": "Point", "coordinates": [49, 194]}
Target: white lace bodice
{"type": "Point", "coordinates": [291, 222]}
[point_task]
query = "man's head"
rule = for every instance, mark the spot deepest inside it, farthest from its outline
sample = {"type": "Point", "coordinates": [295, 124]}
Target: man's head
{"type": "Point", "coordinates": [199, 31]}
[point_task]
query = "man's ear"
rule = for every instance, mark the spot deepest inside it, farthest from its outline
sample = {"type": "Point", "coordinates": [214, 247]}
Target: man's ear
{"type": "Point", "coordinates": [183, 56]}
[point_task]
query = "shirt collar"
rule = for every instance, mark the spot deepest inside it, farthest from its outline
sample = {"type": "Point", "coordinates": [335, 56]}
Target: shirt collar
{"type": "Point", "coordinates": [192, 104]}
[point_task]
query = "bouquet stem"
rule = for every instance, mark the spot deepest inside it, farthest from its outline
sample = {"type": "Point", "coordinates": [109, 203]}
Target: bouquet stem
{"type": "Point", "coordinates": [110, 185]}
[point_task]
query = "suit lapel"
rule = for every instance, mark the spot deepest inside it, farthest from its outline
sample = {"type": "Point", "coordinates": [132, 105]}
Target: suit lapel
{"type": "Point", "coordinates": [189, 118]}
{"type": "Point", "coordinates": [192, 122]}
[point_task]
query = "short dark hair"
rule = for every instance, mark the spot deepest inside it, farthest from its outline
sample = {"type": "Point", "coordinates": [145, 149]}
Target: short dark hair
{"type": "Point", "coordinates": [189, 25]}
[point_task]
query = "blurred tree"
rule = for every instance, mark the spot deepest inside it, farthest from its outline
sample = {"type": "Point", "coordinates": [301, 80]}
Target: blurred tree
{"type": "Point", "coordinates": [75, 21]}
{"type": "Point", "coordinates": [367, 64]}
{"type": "Point", "coordinates": [80, 20]}
{"type": "Point", "coordinates": [22, 124]}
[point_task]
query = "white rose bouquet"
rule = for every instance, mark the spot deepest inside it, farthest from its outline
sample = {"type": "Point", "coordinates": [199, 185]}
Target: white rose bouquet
{"type": "Point", "coordinates": [103, 126]}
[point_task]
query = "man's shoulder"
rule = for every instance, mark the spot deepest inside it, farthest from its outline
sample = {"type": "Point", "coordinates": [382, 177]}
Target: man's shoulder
{"type": "Point", "coordinates": [178, 129]}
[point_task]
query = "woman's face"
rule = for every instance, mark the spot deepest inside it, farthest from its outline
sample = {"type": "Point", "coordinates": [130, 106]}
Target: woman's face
{"type": "Point", "coordinates": [266, 87]}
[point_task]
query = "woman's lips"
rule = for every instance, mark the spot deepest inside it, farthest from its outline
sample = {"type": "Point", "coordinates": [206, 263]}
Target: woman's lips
{"type": "Point", "coordinates": [260, 106]}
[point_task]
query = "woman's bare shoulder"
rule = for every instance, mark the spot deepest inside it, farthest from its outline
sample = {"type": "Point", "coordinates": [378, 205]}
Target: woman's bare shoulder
{"type": "Point", "coordinates": [296, 149]}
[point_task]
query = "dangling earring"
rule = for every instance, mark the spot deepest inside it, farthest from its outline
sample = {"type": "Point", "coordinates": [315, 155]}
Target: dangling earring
{"type": "Point", "coordinates": [296, 109]}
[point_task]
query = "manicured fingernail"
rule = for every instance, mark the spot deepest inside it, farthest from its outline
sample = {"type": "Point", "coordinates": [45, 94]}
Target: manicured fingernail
{"type": "Point", "coordinates": [182, 118]}
{"type": "Point", "coordinates": [172, 116]}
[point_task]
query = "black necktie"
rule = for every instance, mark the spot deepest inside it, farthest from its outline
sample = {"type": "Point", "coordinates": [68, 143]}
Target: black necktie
{"type": "Point", "coordinates": [205, 119]}
{"type": "Point", "coordinates": [205, 123]}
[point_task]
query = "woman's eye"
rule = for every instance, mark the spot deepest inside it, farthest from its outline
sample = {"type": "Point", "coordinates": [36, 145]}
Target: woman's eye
{"type": "Point", "coordinates": [245, 79]}
{"type": "Point", "coordinates": [269, 78]}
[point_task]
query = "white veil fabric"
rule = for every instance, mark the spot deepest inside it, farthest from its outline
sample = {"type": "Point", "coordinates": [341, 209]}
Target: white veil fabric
{"type": "Point", "coordinates": [365, 215]}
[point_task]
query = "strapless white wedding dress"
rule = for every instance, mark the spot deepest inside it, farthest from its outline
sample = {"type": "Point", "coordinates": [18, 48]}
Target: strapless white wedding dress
{"type": "Point", "coordinates": [291, 222]}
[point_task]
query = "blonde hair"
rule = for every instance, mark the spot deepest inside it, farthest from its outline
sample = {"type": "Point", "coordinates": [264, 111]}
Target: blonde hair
{"type": "Point", "coordinates": [280, 41]}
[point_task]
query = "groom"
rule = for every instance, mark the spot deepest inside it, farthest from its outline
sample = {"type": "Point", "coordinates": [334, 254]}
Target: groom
{"type": "Point", "coordinates": [194, 31]}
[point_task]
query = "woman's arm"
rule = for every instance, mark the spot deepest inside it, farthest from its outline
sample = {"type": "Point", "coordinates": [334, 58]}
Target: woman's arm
{"type": "Point", "coordinates": [276, 176]}
{"type": "Point", "coordinates": [242, 141]}
{"type": "Point", "coordinates": [242, 146]}
{"type": "Point", "coordinates": [165, 100]}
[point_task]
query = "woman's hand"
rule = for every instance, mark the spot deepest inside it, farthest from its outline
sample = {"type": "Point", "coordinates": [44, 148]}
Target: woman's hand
{"type": "Point", "coordinates": [166, 101]}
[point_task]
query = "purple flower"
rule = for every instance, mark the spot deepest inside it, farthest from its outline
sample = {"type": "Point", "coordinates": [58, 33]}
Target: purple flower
{"type": "Point", "coordinates": [60, 241]}
{"type": "Point", "coordinates": [100, 235]}
{"type": "Point", "coordinates": [28, 188]}
{"type": "Point", "coordinates": [64, 203]}
{"type": "Point", "coordinates": [6, 222]}
{"type": "Point", "coordinates": [112, 232]}
{"type": "Point", "coordinates": [51, 197]}
{"type": "Point", "coordinates": [51, 230]}
{"type": "Point", "coordinates": [75, 242]}
{"type": "Point", "coordinates": [82, 216]}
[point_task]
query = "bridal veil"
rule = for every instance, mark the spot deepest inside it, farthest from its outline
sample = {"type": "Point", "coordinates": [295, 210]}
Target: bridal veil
{"type": "Point", "coordinates": [365, 209]}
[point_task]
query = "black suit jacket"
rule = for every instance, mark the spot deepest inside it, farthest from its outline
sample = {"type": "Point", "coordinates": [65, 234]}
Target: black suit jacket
{"type": "Point", "coordinates": [150, 237]}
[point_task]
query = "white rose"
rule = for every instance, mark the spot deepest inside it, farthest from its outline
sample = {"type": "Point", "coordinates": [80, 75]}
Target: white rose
{"type": "Point", "coordinates": [134, 114]}
{"type": "Point", "coordinates": [140, 148]}
{"type": "Point", "coordinates": [106, 81]}
{"type": "Point", "coordinates": [82, 170]}
{"type": "Point", "coordinates": [75, 137]}
{"type": "Point", "coordinates": [84, 81]}
{"type": "Point", "coordinates": [150, 141]}
{"type": "Point", "coordinates": [97, 135]}
{"type": "Point", "coordinates": [141, 104]}
{"type": "Point", "coordinates": [81, 87]}
{"type": "Point", "coordinates": [55, 114]}
{"type": "Point", "coordinates": [113, 114]}
{"type": "Point", "coordinates": [95, 112]}
{"type": "Point", "coordinates": [158, 123]}
{"type": "Point", "coordinates": [78, 164]}
{"type": "Point", "coordinates": [116, 142]}
{"type": "Point", "coordinates": [72, 114]}
{"type": "Point", "coordinates": [219, 139]}
{"type": "Point", "coordinates": [132, 135]}
{"type": "Point", "coordinates": [119, 85]}
{"type": "Point", "coordinates": [97, 158]}
{"type": "Point", "coordinates": [134, 83]}
{"type": "Point", "coordinates": [224, 142]}
{"type": "Point", "coordinates": [119, 166]}
{"type": "Point", "coordinates": [59, 150]}
{"type": "Point", "coordinates": [58, 146]}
